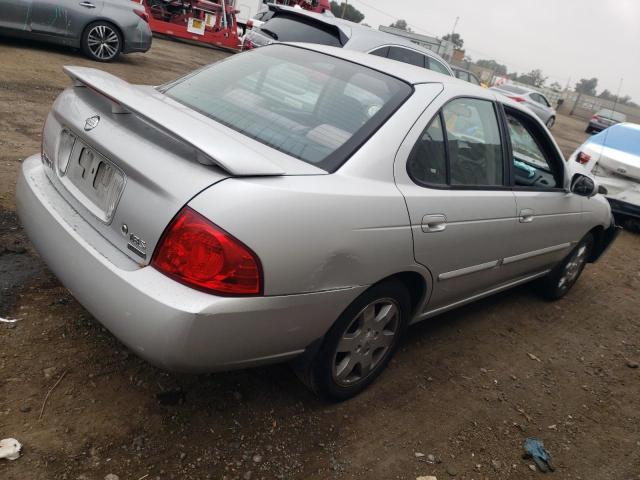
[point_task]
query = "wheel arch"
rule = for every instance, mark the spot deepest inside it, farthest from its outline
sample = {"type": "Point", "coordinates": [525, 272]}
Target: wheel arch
{"type": "Point", "coordinates": [598, 234]}
{"type": "Point", "coordinates": [602, 240]}
{"type": "Point", "coordinates": [417, 286]}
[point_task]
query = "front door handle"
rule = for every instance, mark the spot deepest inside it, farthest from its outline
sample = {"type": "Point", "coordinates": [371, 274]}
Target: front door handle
{"type": "Point", "coordinates": [527, 215]}
{"type": "Point", "coordinates": [87, 5]}
{"type": "Point", "coordinates": [434, 223]}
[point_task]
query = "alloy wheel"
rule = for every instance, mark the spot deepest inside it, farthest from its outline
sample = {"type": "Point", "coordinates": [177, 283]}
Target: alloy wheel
{"type": "Point", "coordinates": [366, 342]}
{"type": "Point", "coordinates": [103, 42]}
{"type": "Point", "coordinates": [572, 268]}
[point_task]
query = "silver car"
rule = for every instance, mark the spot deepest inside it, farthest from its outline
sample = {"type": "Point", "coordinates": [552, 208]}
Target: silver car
{"type": "Point", "coordinates": [604, 119]}
{"type": "Point", "coordinates": [101, 28]}
{"type": "Point", "coordinates": [309, 208]}
{"type": "Point", "coordinates": [289, 24]}
{"type": "Point", "coordinates": [532, 99]}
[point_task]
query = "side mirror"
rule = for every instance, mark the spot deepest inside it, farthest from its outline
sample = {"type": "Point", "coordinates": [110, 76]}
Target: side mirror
{"type": "Point", "coordinates": [602, 190]}
{"type": "Point", "coordinates": [583, 185]}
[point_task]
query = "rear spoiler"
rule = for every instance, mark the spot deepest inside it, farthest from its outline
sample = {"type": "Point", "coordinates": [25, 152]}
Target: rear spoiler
{"type": "Point", "coordinates": [181, 122]}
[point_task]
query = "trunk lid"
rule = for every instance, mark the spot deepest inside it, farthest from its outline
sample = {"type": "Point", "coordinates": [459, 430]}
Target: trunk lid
{"type": "Point", "coordinates": [128, 158]}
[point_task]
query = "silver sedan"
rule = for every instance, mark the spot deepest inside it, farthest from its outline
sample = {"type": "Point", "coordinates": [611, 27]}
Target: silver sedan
{"type": "Point", "coordinates": [299, 202]}
{"type": "Point", "coordinates": [101, 28]}
{"type": "Point", "coordinates": [531, 99]}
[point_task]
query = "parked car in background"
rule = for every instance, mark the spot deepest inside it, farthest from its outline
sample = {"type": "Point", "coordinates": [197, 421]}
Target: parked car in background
{"type": "Point", "coordinates": [465, 75]}
{"type": "Point", "coordinates": [531, 99]}
{"type": "Point", "coordinates": [296, 25]}
{"type": "Point", "coordinates": [613, 158]}
{"type": "Point", "coordinates": [310, 207]}
{"type": "Point", "coordinates": [604, 119]}
{"type": "Point", "coordinates": [248, 9]}
{"type": "Point", "coordinates": [101, 28]}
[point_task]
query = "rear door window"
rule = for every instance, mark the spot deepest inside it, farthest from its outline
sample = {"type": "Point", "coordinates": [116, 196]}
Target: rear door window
{"type": "Point", "coordinates": [381, 52]}
{"type": "Point", "coordinates": [436, 66]}
{"type": "Point", "coordinates": [461, 147]}
{"type": "Point", "coordinates": [428, 160]}
{"type": "Point", "coordinates": [462, 75]}
{"type": "Point", "coordinates": [291, 28]}
{"type": "Point", "coordinates": [539, 99]}
{"type": "Point", "coordinates": [405, 55]}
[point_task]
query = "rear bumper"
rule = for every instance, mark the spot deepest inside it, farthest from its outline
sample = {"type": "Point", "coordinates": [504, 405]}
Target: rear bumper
{"type": "Point", "coordinates": [138, 40]}
{"type": "Point", "coordinates": [165, 322]}
{"type": "Point", "coordinates": [627, 209]}
{"type": "Point", "coordinates": [597, 127]}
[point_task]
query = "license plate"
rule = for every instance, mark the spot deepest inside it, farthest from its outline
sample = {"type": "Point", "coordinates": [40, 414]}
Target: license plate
{"type": "Point", "coordinates": [94, 181]}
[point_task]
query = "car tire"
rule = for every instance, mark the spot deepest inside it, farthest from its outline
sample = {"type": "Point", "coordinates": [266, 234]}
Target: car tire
{"type": "Point", "coordinates": [557, 283]}
{"type": "Point", "coordinates": [101, 41]}
{"type": "Point", "coordinates": [360, 343]}
{"type": "Point", "coordinates": [588, 130]}
{"type": "Point", "coordinates": [551, 122]}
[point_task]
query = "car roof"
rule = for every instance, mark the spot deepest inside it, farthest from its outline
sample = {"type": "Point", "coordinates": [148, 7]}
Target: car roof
{"type": "Point", "coordinates": [360, 36]}
{"type": "Point", "coordinates": [404, 71]}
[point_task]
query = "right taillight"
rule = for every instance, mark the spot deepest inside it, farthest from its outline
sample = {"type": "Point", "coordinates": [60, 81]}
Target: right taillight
{"type": "Point", "coordinates": [199, 254]}
{"type": "Point", "coordinates": [249, 24]}
{"type": "Point", "coordinates": [583, 158]}
{"type": "Point", "coordinates": [142, 14]}
{"type": "Point", "coordinates": [247, 45]}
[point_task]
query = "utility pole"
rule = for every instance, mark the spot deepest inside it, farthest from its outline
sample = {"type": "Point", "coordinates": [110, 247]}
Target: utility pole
{"type": "Point", "coordinates": [615, 104]}
{"type": "Point", "coordinates": [575, 104]}
{"type": "Point", "coordinates": [455, 24]}
{"type": "Point", "coordinates": [344, 7]}
{"type": "Point", "coordinates": [453, 30]}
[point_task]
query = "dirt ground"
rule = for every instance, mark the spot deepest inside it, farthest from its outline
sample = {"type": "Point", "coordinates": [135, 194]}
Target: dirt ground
{"type": "Point", "coordinates": [467, 387]}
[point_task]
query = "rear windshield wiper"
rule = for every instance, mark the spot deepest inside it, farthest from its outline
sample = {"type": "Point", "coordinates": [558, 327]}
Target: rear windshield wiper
{"type": "Point", "coordinates": [273, 35]}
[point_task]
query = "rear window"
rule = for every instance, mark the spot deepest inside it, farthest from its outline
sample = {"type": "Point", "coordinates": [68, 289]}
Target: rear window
{"type": "Point", "coordinates": [293, 28]}
{"type": "Point", "coordinates": [512, 89]}
{"type": "Point", "coordinates": [312, 106]}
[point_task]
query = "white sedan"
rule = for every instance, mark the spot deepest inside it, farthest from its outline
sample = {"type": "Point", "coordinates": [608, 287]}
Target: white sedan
{"type": "Point", "coordinates": [613, 158]}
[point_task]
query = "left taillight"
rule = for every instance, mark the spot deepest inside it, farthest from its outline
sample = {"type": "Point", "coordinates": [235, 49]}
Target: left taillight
{"type": "Point", "coordinates": [142, 14]}
{"type": "Point", "coordinates": [582, 158]}
{"type": "Point", "coordinates": [199, 254]}
{"type": "Point", "coordinates": [518, 99]}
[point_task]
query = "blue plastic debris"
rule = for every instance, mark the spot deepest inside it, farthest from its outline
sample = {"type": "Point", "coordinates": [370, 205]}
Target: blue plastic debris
{"type": "Point", "coordinates": [535, 450]}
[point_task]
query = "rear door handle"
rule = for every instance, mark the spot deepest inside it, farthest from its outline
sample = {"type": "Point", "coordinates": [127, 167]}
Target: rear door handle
{"type": "Point", "coordinates": [527, 215]}
{"type": "Point", "coordinates": [434, 223]}
{"type": "Point", "coordinates": [87, 5]}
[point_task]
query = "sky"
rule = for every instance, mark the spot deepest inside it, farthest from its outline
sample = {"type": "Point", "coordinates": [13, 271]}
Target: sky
{"type": "Point", "coordinates": [566, 39]}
